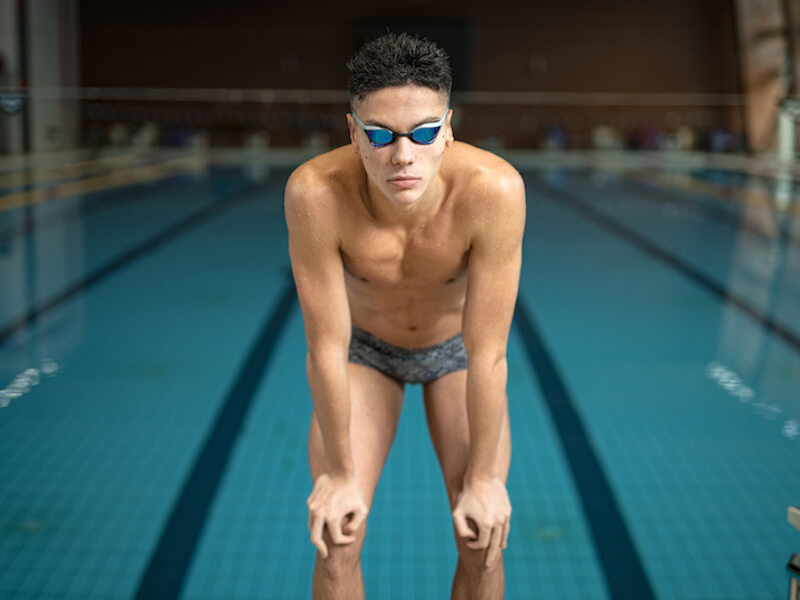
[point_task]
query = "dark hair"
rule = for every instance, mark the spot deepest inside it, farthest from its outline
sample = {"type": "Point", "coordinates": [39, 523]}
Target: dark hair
{"type": "Point", "coordinates": [398, 59]}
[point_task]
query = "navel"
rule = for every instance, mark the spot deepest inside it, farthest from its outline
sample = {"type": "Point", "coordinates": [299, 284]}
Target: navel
{"type": "Point", "coordinates": [412, 327]}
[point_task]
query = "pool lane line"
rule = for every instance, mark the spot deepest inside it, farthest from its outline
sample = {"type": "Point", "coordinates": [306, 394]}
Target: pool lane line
{"type": "Point", "coordinates": [166, 571]}
{"type": "Point", "coordinates": [35, 170]}
{"type": "Point", "coordinates": [137, 174]}
{"type": "Point", "coordinates": [566, 199]}
{"type": "Point", "coordinates": [95, 202]}
{"type": "Point", "coordinates": [18, 163]}
{"type": "Point", "coordinates": [154, 243]}
{"type": "Point", "coordinates": [625, 574]}
{"type": "Point", "coordinates": [38, 177]}
{"type": "Point", "coordinates": [105, 200]}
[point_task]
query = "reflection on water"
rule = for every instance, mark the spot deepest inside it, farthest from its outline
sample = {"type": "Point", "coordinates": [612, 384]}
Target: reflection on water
{"type": "Point", "coordinates": [729, 381]}
{"type": "Point", "coordinates": [791, 429]}
{"type": "Point", "coordinates": [759, 270]}
{"type": "Point", "coordinates": [27, 380]}
{"type": "Point", "coordinates": [780, 185]}
{"type": "Point", "coordinates": [42, 253]}
{"type": "Point", "coordinates": [732, 383]}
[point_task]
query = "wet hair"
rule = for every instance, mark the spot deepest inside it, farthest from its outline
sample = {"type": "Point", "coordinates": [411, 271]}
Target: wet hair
{"type": "Point", "coordinates": [398, 59]}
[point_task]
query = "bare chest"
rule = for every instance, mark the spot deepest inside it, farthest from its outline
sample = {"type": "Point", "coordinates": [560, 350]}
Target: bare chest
{"type": "Point", "coordinates": [430, 256]}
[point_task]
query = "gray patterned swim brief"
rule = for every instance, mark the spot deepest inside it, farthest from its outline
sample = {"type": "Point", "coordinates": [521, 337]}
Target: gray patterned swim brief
{"type": "Point", "coordinates": [409, 365]}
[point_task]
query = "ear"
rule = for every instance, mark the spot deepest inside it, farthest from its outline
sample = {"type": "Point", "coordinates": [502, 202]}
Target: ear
{"type": "Point", "coordinates": [449, 129]}
{"type": "Point", "coordinates": [351, 126]}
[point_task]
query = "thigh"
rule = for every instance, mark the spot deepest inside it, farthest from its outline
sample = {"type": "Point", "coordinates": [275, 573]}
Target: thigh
{"type": "Point", "coordinates": [375, 404]}
{"type": "Point", "coordinates": [446, 412]}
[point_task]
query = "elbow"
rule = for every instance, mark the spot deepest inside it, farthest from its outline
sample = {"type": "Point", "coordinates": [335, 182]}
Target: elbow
{"type": "Point", "coordinates": [325, 357]}
{"type": "Point", "coordinates": [493, 365]}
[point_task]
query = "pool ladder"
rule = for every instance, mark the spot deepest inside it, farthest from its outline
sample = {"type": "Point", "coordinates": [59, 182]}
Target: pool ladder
{"type": "Point", "coordinates": [794, 562]}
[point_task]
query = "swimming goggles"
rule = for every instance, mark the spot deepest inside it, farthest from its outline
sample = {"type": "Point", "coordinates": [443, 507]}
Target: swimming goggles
{"type": "Point", "coordinates": [380, 136]}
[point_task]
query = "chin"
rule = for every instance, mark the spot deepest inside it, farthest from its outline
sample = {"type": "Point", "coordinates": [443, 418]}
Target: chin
{"type": "Point", "coordinates": [406, 197]}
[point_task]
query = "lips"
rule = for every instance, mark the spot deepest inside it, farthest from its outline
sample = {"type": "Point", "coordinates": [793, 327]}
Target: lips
{"type": "Point", "coordinates": [404, 181]}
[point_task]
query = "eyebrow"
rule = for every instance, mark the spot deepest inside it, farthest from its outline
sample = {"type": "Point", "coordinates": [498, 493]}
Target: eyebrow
{"type": "Point", "coordinates": [423, 122]}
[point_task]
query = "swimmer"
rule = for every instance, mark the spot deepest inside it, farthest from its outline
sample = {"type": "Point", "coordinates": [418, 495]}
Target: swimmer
{"type": "Point", "coordinates": [406, 249]}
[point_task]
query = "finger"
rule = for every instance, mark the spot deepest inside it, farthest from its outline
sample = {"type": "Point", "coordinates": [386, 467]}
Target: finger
{"type": "Point", "coordinates": [358, 518]}
{"type": "Point", "coordinates": [310, 512]}
{"type": "Point", "coordinates": [484, 537]}
{"type": "Point", "coordinates": [506, 529]}
{"type": "Point", "coordinates": [462, 528]}
{"type": "Point", "coordinates": [493, 553]}
{"type": "Point", "coordinates": [346, 520]}
{"type": "Point", "coordinates": [337, 535]}
{"type": "Point", "coordinates": [316, 536]}
{"type": "Point", "coordinates": [347, 524]}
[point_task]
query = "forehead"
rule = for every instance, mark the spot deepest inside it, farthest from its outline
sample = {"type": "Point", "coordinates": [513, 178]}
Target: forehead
{"type": "Point", "coordinates": [401, 105]}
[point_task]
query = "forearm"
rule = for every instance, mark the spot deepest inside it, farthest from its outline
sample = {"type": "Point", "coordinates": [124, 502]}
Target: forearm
{"type": "Point", "coordinates": [327, 378]}
{"type": "Point", "coordinates": [486, 408]}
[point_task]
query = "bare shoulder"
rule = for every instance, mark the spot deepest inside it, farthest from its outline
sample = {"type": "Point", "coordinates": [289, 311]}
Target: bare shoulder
{"type": "Point", "coordinates": [319, 183]}
{"type": "Point", "coordinates": [318, 191]}
{"type": "Point", "coordinates": [485, 182]}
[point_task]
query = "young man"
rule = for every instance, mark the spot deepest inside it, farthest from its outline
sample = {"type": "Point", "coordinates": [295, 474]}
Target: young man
{"type": "Point", "coordinates": [401, 243]}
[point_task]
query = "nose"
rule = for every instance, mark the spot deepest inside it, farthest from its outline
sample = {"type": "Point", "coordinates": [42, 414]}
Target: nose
{"type": "Point", "coordinates": [402, 151]}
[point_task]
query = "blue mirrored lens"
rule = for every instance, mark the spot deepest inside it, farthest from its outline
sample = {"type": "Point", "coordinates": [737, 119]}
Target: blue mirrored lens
{"type": "Point", "coordinates": [380, 137]}
{"type": "Point", "coordinates": [424, 135]}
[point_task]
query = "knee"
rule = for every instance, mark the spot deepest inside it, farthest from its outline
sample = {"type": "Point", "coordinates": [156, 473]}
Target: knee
{"type": "Point", "coordinates": [343, 559]}
{"type": "Point", "coordinates": [474, 561]}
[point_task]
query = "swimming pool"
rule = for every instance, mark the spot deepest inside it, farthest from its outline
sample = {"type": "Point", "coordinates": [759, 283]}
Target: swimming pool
{"type": "Point", "coordinates": [155, 407]}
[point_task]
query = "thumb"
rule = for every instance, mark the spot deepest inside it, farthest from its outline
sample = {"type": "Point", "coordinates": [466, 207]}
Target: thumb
{"type": "Point", "coordinates": [463, 529]}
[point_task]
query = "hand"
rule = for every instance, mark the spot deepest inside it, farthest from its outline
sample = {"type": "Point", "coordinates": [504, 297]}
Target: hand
{"type": "Point", "coordinates": [482, 514]}
{"type": "Point", "coordinates": [337, 503]}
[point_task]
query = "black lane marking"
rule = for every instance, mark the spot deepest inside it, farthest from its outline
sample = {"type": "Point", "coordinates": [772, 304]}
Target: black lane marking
{"type": "Point", "coordinates": [580, 207]}
{"type": "Point", "coordinates": [193, 220]}
{"type": "Point", "coordinates": [625, 575]}
{"type": "Point", "coordinates": [166, 572]}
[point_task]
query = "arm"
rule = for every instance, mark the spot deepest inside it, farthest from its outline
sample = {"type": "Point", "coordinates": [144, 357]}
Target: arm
{"type": "Point", "coordinates": [493, 279]}
{"type": "Point", "coordinates": [319, 276]}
